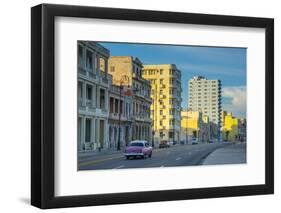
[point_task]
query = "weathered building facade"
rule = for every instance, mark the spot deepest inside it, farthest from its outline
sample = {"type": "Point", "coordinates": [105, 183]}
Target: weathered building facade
{"type": "Point", "coordinates": [126, 72]}
{"type": "Point", "coordinates": [93, 89]}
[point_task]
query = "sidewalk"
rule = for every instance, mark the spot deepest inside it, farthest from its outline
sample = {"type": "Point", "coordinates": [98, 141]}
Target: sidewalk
{"type": "Point", "coordinates": [233, 154]}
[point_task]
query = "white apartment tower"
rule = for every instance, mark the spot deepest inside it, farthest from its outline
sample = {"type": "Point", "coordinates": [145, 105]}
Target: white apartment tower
{"type": "Point", "coordinates": [205, 96]}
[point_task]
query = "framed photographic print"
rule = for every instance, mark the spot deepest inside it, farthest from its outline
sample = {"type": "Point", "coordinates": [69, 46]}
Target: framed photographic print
{"type": "Point", "coordinates": [141, 106]}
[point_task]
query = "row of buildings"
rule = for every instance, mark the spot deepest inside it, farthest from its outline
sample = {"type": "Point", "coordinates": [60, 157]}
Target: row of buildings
{"type": "Point", "coordinates": [204, 119]}
{"type": "Point", "coordinates": [113, 99]}
{"type": "Point", "coordinates": [120, 99]}
{"type": "Point", "coordinates": [199, 127]}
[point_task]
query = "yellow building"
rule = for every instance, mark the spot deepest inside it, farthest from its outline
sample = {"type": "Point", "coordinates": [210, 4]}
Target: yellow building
{"type": "Point", "coordinates": [205, 130]}
{"type": "Point", "coordinates": [166, 91]}
{"type": "Point", "coordinates": [190, 125]}
{"type": "Point", "coordinates": [230, 127]}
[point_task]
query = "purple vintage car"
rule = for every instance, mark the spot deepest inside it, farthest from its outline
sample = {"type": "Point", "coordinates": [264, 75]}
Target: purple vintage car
{"type": "Point", "coordinates": [138, 149]}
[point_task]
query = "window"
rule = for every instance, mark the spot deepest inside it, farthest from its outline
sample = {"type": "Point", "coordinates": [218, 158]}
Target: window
{"type": "Point", "coordinates": [89, 59]}
{"type": "Point", "coordinates": [80, 55]}
{"type": "Point", "coordinates": [111, 104]}
{"type": "Point", "coordinates": [161, 123]}
{"type": "Point", "coordinates": [161, 71]}
{"type": "Point", "coordinates": [161, 134]}
{"type": "Point", "coordinates": [88, 130]}
{"type": "Point", "coordinates": [161, 81]}
{"type": "Point", "coordinates": [80, 89]}
{"type": "Point", "coordinates": [171, 134]}
{"type": "Point", "coordinates": [102, 98]}
{"type": "Point", "coordinates": [136, 144]}
{"type": "Point", "coordinates": [112, 69]}
{"type": "Point", "coordinates": [171, 91]}
{"type": "Point", "coordinates": [161, 112]}
{"type": "Point", "coordinates": [89, 90]}
{"type": "Point", "coordinates": [116, 105]}
{"type": "Point", "coordinates": [121, 109]}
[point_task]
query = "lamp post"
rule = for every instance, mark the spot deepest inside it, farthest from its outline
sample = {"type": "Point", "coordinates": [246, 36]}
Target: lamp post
{"type": "Point", "coordinates": [123, 79]}
{"type": "Point", "coordinates": [119, 117]}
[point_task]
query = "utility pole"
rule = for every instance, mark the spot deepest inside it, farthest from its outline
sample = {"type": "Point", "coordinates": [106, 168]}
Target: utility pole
{"type": "Point", "coordinates": [119, 118]}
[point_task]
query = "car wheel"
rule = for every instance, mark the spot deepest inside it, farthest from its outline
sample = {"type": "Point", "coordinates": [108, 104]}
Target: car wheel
{"type": "Point", "coordinates": [150, 155]}
{"type": "Point", "coordinates": [127, 157]}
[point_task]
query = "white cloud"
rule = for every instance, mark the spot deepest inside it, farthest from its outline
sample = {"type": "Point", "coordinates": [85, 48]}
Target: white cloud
{"type": "Point", "coordinates": [238, 100]}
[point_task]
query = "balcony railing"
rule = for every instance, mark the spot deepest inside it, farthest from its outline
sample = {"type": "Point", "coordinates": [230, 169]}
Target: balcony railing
{"type": "Point", "coordinates": [80, 102]}
{"type": "Point", "coordinates": [86, 72]}
{"type": "Point", "coordinates": [89, 103]}
{"type": "Point", "coordinates": [104, 77]}
{"type": "Point", "coordinates": [82, 71]}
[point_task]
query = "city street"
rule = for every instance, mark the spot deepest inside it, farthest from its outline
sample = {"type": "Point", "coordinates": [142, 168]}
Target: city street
{"type": "Point", "coordinates": [178, 155]}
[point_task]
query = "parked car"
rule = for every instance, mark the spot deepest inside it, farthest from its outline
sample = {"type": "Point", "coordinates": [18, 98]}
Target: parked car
{"type": "Point", "coordinates": [182, 142]}
{"type": "Point", "coordinates": [194, 141]}
{"type": "Point", "coordinates": [138, 148]}
{"type": "Point", "coordinates": [164, 144]}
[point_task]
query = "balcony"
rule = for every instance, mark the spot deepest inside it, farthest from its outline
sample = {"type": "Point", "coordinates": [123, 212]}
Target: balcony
{"type": "Point", "coordinates": [142, 118]}
{"type": "Point", "coordinates": [80, 102]}
{"type": "Point", "coordinates": [89, 103]}
{"type": "Point", "coordinates": [123, 117]}
{"type": "Point", "coordinates": [91, 75]}
{"type": "Point", "coordinates": [104, 78]}
{"type": "Point", "coordinates": [82, 71]}
{"type": "Point", "coordinates": [101, 112]}
{"type": "Point", "coordinates": [86, 73]}
{"type": "Point", "coordinates": [162, 117]}
{"type": "Point", "coordinates": [114, 115]}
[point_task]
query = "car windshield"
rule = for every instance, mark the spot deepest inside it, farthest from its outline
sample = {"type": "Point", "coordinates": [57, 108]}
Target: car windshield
{"type": "Point", "coordinates": [136, 144]}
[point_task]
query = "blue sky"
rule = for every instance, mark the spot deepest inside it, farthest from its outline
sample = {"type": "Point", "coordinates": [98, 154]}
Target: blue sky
{"type": "Point", "coordinates": [226, 64]}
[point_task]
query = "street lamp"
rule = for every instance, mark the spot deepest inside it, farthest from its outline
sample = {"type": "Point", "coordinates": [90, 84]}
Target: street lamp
{"type": "Point", "coordinates": [119, 117]}
{"type": "Point", "coordinates": [123, 79]}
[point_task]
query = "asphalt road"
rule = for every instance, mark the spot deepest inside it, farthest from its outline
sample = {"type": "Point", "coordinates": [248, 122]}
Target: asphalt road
{"type": "Point", "coordinates": [179, 155]}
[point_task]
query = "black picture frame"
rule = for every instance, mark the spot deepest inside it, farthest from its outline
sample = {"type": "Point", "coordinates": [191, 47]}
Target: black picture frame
{"type": "Point", "coordinates": [43, 105]}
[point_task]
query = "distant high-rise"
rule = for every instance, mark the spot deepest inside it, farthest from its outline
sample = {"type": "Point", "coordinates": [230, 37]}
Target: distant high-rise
{"type": "Point", "coordinates": [205, 96]}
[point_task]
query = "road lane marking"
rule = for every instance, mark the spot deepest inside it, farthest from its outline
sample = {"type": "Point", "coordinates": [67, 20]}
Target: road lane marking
{"type": "Point", "coordinates": [119, 167]}
{"type": "Point", "coordinates": [87, 163]}
{"type": "Point", "coordinates": [178, 158]}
